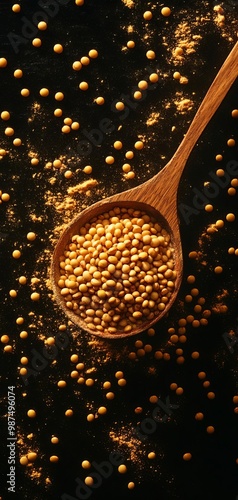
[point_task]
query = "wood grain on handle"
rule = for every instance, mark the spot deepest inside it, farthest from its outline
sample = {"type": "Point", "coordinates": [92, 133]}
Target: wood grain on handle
{"type": "Point", "coordinates": [211, 102]}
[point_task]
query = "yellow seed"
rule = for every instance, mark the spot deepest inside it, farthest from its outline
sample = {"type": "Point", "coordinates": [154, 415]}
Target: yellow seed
{"type": "Point", "coordinates": [93, 53]}
{"type": "Point", "coordinates": [75, 125]}
{"type": "Point", "coordinates": [176, 75]}
{"type": "Point", "coordinates": [100, 101]}
{"type": "Point", "coordinates": [59, 96]}
{"type": "Point", "coordinates": [154, 77]}
{"type": "Point", "coordinates": [218, 269]}
{"type": "Point", "coordinates": [147, 15]}
{"type": "Point", "coordinates": [24, 460]}
{"type": "Point", "coordinates": [31, 236]}
{"type": "Point", "coordinates": [117, 145]}
{"type": "Point", "coordinates": [231, 142]}
{"type": "Point", "coordinates": [69, 413]}
{"type": "Point", "coordinates": [5, 197]}
{"type": "Point", "coordinates": [5, 339]}
{"type": "Point", "coordinates": [61, 383]}
{"type": "Point", "coordinates": [42, 25]}
{"type": "Point", "coordinates": [16, 8]}
{"type": "Point", "coordinates": [65, 129]}
{"type": "Point", "coordinates": [58, 48]}
{"type": "Point", "coordinates": [5, 115]}
{"type": "Point", "coordinates": [44, 92]}
{"type": "Point", "coordinates": [18, 73]}
{"type": "Point", "coordinates": [79, 3]}
{"type": "Point", "coordinates": [9, 131]}
{"type": "Point", "coordinates": [210, 429]}
{"type": "Point", "coordinates": [86, 464]}
{"type": "Point", "coordinates": [230, 217]}
{"type": "Point", "coordinates": [54, 458]}
{"type": "Point", "coordinates": [58, 112]}
{"type": "Point", "coordinates": [166, 11]}
{"type": "Point", "coordinates": [122, 469]}
{"type": "Point", "coordinates": [209, 208]}
{"type": "Point", "coordinates": [88, 169]}
{"type": "Point", "coordinates": [35, 296]}
{"type": "Point", "coordinates": [150, 54]}
{"type": "Point", "coordinates": [219, 158]}
{"type": "Point", "coordinates": [130, 44]}
{"type": "Point", "coordinates": [102, 410]}
{"type": "Point", "coordinates": [83, 86]}
{"type": "Point", "coordinates": [31, 413]}
{"type": "Point", "coordinates": [85, 61]}
{"type": "Point", "coordinates": [109, 160]}
{"type": "Point", "coordinates": [36, 42]}
{"type": "Point", "coordinates": [151, 455]}
{"type": "Point", "coordinates": [3, 62]}
{"type": "Point", "coordinates": [77, 65]}
{"type": "Point", "coordinates": [16, 254]}
{"type": "Point", "coordinates": [187, 456]}
{"type": "Point", "coordinates": [17, 142]}
{"type": "Point", "coordinates": [139, 145]}
{"type": "Point", "coordinates": [131, 485]}
{"type": "Point", "coordinates": [32, 456]}
{"type": "Point", "coordinates": [234, 113]}
{"type": "Point", "coordinates": [89, 481]}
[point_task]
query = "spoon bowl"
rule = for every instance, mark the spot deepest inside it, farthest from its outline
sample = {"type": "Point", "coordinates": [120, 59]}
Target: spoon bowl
{"type": "Point", "coordinates": [156, 197]}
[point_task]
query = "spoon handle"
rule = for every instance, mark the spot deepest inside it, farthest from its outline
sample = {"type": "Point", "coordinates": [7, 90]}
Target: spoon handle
{"type": "Point", "coordinates": [212, 100]}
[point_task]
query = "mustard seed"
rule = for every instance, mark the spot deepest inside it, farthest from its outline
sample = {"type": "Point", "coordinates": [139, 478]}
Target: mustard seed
{"type": "Point", "coordinates": [117, 307]}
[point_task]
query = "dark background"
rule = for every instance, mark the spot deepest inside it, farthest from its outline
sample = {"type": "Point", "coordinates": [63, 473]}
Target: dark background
{"type": "Point", "coordinates": [212, 471]}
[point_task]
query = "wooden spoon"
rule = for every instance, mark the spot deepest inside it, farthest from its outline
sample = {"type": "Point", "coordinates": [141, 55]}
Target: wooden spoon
{"type": "Point", "coordinates": [157, 196]}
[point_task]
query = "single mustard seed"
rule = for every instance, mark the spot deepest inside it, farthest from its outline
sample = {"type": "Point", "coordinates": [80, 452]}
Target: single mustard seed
{"type": "Point", "coordinates": [231, 142]}
{"type": "Point", "coordinates": [9, 131]}
{"type": "Point", "coordinates": [83, 86]}
{"type": "Point", "coordinates": [234, 113]}
{"type": "Point", "coordinates": [230, 217]}
{"type": "Point", "coordinates": [147, 15]}
{"type": "Point", "coordinates": [16, 8]}
{"type": "Point", "coordinates": [35, 296]}
{"type": "Point", "coordinates": [31, 236]}
{"type": "Point", "coordinates": [18, 73]}
{"type": "Point", "coordinates": [100, 100]}
{"type": "Point", "coordinates": [44, 92]}
{"type": "Point", "coordinates": [122, 469]}
{"type": "Point", "coordinates": [131, 485]}
{"type": "Point", "coordinates": [130, 44]}
{"type": "Point", "coordinates": [109, 160]}
{"type": "Point", "coordinates": [187, 457]}
{"type": "Point", "coordinates": [31, 413]}
{"type": "Point", "coordinates": [93, 53]}
{"type": "Point", "coordinates": [77, 65]}
{"type": "Point", "coordinates": [36, 42]}
{"type": "Point", "coordinates": [85, 61]}
{"type": "Point", "coordinates": [3, 62]}
{"type": "Point", "coordinates": [58, 48]}
{"type": "Point", "coordinates": [42, 25]}
{"type": "Point", "coordinates": [5, 115]}
{"type": "Point", "coordinates": [16, 254]}
{"type": "Point", "coordinates": [166, 11]}
{"type": "Point", "coordinates": [88, 169]}
{"type": "Point", "coordinates": [150, 54]}
{"type": "Point", "coordinates": [59, 96]}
